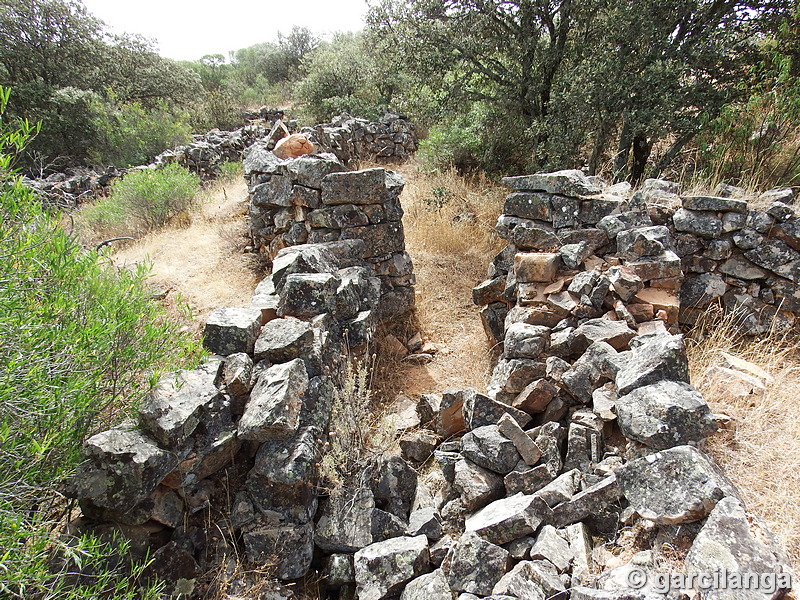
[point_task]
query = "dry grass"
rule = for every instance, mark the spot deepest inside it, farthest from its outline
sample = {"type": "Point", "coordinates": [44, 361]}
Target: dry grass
{"type": "Point", "coordinates": [199, 260]}
{"type": "Point", "coordinates": [451, 251]}
{"type": "Point", "coordinates": [761, 453]}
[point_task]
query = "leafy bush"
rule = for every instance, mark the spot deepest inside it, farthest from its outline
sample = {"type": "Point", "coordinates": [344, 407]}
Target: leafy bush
{"type": "Point", "coordinates": [142, 201]}
{"type": "Point", "coordinates": [81, 344]}
{"type": "Point", "coordinates": [130, 134]}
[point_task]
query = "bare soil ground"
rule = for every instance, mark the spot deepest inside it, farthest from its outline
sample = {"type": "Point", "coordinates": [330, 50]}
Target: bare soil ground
{"type": "Point", "coordinates": [201, 263]}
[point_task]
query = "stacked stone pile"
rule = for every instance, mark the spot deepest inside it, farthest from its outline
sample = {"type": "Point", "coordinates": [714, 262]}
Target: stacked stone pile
{"type": "Point", "coordinates": [313, 199]}
{"type": "Point", "coordinates": [249, 424]}
{"type": "Point", "coordinates": [391, 139]}
{"type": "Point", "coordinates": [67, 190]}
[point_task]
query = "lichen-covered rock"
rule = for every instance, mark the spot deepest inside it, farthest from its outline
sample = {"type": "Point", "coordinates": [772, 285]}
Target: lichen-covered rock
{"type": "Point", "coordinates": [739, 543]}
{"type": "Point", "coordinates": [181, 401]}
{"type": "Point", "coordinates": [367, 186]}
{"type": "Point", "coordinates": [569, 182]}
{"type": "Point", "coordinates": [273, 411]}
{"type": "Point", "coordinates": [345, 522]}
{"type": "Point", "coordinates": [232, 330]}
{"type": "Point", "coordinates": [528, 205]}
{"type": "Point", "coordinates": [479, 410]}
{"type": "Point", "coordinates": [307, 295]}
{"type": "Point", "coordinates": [536, 267]}
{"type": "Point", "coordinates": [476, 486]}
{"type": "Point", "coordinates": [432, 586]}
{"type": "Point", "coordinates": [714, 203]}
{"type": "Point", "coordinates": [383, 568]}
{"type": "Point", "coordinates": [505, 520]}
{"type": "Point", "coordinates": [552, 547]}
{"type": "Point", "coordinates": [678, 485]}
{"type": "Point", "coordinates": [657, 358]}
{"type": "Point", "coordinates": [664, 414]}
{"type": "Point", "coordinates": [526, 341]}
{"type": "Point", "coordinates": [125, 466]}
{"type": "Point", "coordinates": [475, 565]}
{"type": "Point", "coordinates": [488, 448]}
{"type": "Point", "coordinates": [288, 547]}
{"type": "Point", "coordinates": [282, 340]}
{"type": "Point", "coordinates": [704, 224]}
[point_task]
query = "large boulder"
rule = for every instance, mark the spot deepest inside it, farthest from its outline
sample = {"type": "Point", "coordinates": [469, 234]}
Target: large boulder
{"type": "Point", "coordinates": [678, 485]}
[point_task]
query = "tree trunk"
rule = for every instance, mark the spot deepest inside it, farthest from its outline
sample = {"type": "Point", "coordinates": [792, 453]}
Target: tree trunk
{"type": "Point", "coordinates": [623, 150]}
{"type": "Point", "coordinates": [641, 153]}
{"type": "Point", "coordinates": [600, 144]}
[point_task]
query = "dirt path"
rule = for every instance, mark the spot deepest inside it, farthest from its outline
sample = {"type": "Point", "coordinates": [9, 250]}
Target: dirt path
{"type": "Point", "coordinates": [202, 264]}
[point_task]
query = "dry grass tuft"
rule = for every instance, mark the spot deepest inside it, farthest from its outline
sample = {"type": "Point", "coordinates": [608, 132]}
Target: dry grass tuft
{"type": "Point", "coordinates": [761, 453]}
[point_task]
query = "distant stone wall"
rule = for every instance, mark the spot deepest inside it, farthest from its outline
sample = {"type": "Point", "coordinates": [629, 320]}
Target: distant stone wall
{"type": "Point", "coordinates": [313, 199]}
{"type": "Point", "coordinates": [391, 139]}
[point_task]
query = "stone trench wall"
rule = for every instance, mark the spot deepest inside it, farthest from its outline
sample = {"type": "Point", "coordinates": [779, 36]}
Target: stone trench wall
{"type": "Point", "coordinates": [587, 436]}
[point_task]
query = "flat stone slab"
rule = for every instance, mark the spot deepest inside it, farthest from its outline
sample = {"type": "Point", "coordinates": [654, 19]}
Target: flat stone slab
{"type": "Point", "coordinates": [273, 411]}
{"type": "Point", "coordinates": [505, 520]}
{"type": "Point", "coordinates": [232, 330]}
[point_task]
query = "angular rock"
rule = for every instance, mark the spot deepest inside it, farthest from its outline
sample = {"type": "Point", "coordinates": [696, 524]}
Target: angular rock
{"type": "Point", "coordinates": [700, 291]}
{"type": "Point", "coordinates": [345, 524]}
{"type": "Point", "coordinates": [475, 565]}
{"type": "Point", "coordinates": [616, 334]}
{"type": "Point", "coordinates": [489, 291]}
{"type": "Point", "coordinates": [180, 402]}
{"type": "Point", "coordinates": [657, 267]}
{"type": "Point", "coordinates": [714, 203]}
{"type": "Point", "coordinates": [664, 414]}
{"type": "Point", "coordinates": [282, 340]}
{"type": "Point", "coordinates": [367, 186]}
{"type": "Point", "coordinates": [232, 330]}
{"type": "Point", "coordinates": [476, 486]}
{"type": "Point", "coordinates": [480, 410]}
{"type": "Point", "coordinates": [625, 282]}
{"type": "Point", "coordinates": [289, 547]}
{"type": "Point", "coordinates": [678, 485]}
{"type": "Point", "coordinates": [526, 341]}
{"type": "Point", "coordinates": [511, 376]}
{"type": "Point", "coordinates": [659, 358]}
{"type": "Point", "coordinates": [381, 240]}
{"type": "Point", "coordinates": [706, 225]}
{"type": "Point", "coordinates": [567, 183]}
{"type": "Point", "coordinates": [527, 205]}
{"type": "Point", "coordinates": [126, 467]}
{"type": "Point", "coordinates": [520, 583]}
{"type": "Point", "coordinates": [273, 410]}
{"type": "Point", "coordinates": [534, 267]}
{"type": "Point", "coordinates": [425, 521]}
{"type": "Point", "coordinates": [432, 586]}
{"type": "Point", "coordinates": [307, 295]}
{"type": "Point", "coordinates": [551, 547]}
{"type": "Point", "coordinates": [526, 447]}
{"type": "Point", "coordinates": [394, 484]}
{"type": "Point", "coordinates": [738, 266]}
{"type": "Point", "coordinates": [487, 448]}
{"type": "Point", "coordinates": [383, 568]}
{"type": "Point", "coordinates": [505, 520]}
{"type": "Point", "coordinates": [535, 397]}
{"type": "Point", "coordinates": [419, 445]}
{"type": "Point", "coordinates": [739, 543]}
{"type": "Point", "coordinates": [338, 570]}
{"type": "Point", "coordinates": [644, 241]}
{"type": "Point", "coordinates": [591, 501]}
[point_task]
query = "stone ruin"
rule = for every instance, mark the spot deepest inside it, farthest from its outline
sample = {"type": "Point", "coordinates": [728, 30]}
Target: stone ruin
{"type": "Point", "coordinates": [391, 139]}
{"type": "Point", "coordinates": [587, 436]}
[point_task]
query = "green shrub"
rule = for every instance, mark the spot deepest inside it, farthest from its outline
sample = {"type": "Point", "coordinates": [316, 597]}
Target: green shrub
{"type": "Point", "coordinates": [144, 201]}
{"type": "Point", "coordinates": [81, 344]}
{"type": "Point", "coordinates": [230, 171]}
{"type": "Point", "coordinates": [131, 134]}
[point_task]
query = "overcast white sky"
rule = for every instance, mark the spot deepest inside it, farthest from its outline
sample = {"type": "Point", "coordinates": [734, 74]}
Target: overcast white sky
{"type": "Point", "coordinates": [189, 29]}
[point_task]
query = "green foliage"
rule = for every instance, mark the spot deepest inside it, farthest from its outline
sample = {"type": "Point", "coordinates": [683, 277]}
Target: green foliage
{"type": "Point", "coordinates": [341, 77]}
{"type": "Point", "coordinates": [143, 201]}
{"type": "Point", "coordinates": [130, 134]}
{"type": "Point", "coordinates": [61, 64]}
{"type": "Point", "coordinates": [80, 342]}
{"type": "Point", "coordinates": [230, 171]}
{"type": "Point", "coordinates": [757, 140]}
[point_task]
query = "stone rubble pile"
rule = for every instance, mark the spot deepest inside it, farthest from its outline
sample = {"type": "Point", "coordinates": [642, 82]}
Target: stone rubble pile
{"type": "Point", "coordinates": [68, 189]}
{"type": "Point", "coordinates": [391, 139]}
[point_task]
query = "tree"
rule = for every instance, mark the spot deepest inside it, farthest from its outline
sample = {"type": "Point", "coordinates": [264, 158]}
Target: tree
{"type": "Point", "coordinates": [569, 75]}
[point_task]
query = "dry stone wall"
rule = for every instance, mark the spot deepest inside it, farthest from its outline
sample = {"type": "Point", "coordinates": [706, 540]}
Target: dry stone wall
{"type": "Point", "coordinates": [314, 199]}
{"type": "Point", "coordinates": [588, 437]}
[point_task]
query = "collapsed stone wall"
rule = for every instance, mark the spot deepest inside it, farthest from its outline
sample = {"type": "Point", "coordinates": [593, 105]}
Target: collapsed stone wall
{"type": "Point", "coordinates": [688, 251]}
{"type": "Point", "coordinates": [586, 438]}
